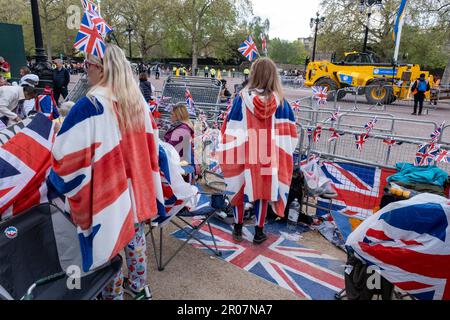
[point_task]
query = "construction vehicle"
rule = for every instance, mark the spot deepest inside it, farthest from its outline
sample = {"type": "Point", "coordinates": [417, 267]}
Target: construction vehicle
{"type": "Point", "coordinates": [363, 72]}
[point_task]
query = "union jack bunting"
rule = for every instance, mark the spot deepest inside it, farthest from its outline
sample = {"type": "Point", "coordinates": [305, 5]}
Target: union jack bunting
{"type": "Point", "coordinates": [435, 135]}
{"type": "Point", "coordinates": [426, 154]}
{"type": "Point", "coordinates": [309, 132]}
{"type": "Point", "coordinates": [359, 187]}
{"type": "Point", "coordinates": [320, 94]}
{"type": "Point", "coordinates": [408, 241]}
{"type": "Point", "coordinates": [370, 125]}
{"type": "Point", "coordinates": [335, 115]}
{"type": "Point", "coordinates": [89, 39]}
{"type": "Point", "coordinates": [190, 102]}
{"type": "Point", "coordinates": [390, 141]}
{"type": "Point", "coordinates": [23, 177]}
{"type": "Point", "coordinates": [317, 133]}
{"type": "Point", "coordinates": [304, 271]}
{"type": "Point", "coordinates": [248, 49]}
{"type": "Point", "coordinates": [335, 135]}
{"type": "Point", "coordinates": [443, 156]}
{"type": "Point", "coordinates": [360, 140]}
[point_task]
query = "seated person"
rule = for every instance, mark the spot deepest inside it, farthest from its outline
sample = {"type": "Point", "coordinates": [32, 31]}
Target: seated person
{"type": "Point", "coordinates": [181, 133]}
{"type": "Point", "coordinates": [225, 94]}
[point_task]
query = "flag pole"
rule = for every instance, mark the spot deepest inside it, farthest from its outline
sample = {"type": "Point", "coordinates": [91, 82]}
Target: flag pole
{"type": "Point", "coordinates": [99, 7]}
{"type": "Point", "coordinates": [399, 33]}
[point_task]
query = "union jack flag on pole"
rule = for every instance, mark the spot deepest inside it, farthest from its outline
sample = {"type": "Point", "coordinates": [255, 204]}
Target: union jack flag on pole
{"type": "Point", "coordinates": [426, 154]}
{"type": "Point", "coordinates": [94, 12]}
{"type": "Point", "coordinates": [436, 134]}
{"type": "Point", "coordinates": [89, 39]}
{"type": "Point", "coordinates": [248, 49]}
{"type": "Point", "coordinates": [320, 94]}
{"type": "Point", "coordinates": [370, 125]}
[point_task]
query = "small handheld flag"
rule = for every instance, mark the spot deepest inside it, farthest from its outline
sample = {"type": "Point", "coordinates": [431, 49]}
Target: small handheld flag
{"type": "Point", "coordinates": [248, 49]}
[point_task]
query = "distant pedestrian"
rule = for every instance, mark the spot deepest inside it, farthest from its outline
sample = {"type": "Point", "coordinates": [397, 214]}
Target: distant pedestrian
{"type": "Point", "coordinates": [61, 80]}
{"type": "Point", "coordinates": [246, 73]}
{"type": "Point", "coordinates": [206, 72]}
{"type": "Point", "coordinates": [419, 88]}
{"type": "Point", "coordinates": [145, 86]}
{"type": "Point", "coordinates": [157, 72]}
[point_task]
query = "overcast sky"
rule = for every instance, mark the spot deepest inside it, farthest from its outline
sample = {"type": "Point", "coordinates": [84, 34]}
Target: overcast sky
{"type": "Point", "coordinates": [289, 19]}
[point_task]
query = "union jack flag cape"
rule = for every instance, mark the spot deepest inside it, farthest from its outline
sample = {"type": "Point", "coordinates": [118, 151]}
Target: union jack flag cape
{"type": "Point", "coordinates": [46, 104]}
{"type": "Point", "coordinates": [111, 179]}
{"type": "Point", "coordinates": [256, 150]}
{"type": "Point", "coordinates": [25, 160]}
{"type": "Point", "coordinates": [248, 49]}
{"type": "Point", "coordinates": [409, 241]}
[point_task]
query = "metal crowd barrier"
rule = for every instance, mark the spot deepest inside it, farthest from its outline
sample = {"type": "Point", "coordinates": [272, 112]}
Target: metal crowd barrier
{"type": "Point", "coordinates": [80, 89]}
{"type": "Point", "coordinates": [203, 90]}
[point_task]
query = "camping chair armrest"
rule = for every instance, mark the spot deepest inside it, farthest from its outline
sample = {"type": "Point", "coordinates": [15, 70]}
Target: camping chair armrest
{"type": "Point", "coordinates": [41, 282]}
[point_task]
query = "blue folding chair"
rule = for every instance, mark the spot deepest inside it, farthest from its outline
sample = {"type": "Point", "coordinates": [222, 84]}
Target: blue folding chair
{"type": "Point", "coordinates": [208, 206]}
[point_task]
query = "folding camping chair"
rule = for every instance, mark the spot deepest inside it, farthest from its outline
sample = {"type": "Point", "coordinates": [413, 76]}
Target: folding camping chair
{"type": "Point", "coordinates": [217, 202]}
{"type": "Point", "coordinates": [36, 249]}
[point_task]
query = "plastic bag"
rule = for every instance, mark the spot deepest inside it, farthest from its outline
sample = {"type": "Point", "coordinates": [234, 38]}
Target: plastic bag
{"type": "Point", "coordinates": [316, 181]}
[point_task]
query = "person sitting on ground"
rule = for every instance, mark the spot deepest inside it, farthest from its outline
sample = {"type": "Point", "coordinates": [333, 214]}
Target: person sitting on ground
{"type": "Point", "coordinates": [225, 94]}
{"type": "Point", "coordinates": [259, 120]}
{"type": "Point", "coordinates": [145, 86]}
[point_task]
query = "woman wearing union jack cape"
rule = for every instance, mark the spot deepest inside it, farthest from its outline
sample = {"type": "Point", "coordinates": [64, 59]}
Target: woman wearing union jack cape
{"type": "Point", "coordinates": [105, 161]}
{"type": "Point", "coordinates": [258, 140]}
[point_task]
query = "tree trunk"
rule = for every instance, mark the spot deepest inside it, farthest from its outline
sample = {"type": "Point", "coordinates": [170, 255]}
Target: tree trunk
{"type": "Point", "coordinates": [194, 54]}
{"type": "Point", "coordinates": [446, 77]}
{"type": "Point", "coordinates": [48, 39]}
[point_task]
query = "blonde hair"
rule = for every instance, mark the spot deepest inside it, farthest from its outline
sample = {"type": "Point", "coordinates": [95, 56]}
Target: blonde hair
{"type": "Point", "coordinates": [181, 114]}
{"type": "Point", "coordinates": [65, 108]}
{"type": "Point", "coordinates": [119, 79]}
{"type": "Point", "coordinates": [264, 76]}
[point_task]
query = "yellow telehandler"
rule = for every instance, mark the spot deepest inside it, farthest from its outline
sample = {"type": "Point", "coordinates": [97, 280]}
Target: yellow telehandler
{"type": "Point", "coordinates": [381, 83]}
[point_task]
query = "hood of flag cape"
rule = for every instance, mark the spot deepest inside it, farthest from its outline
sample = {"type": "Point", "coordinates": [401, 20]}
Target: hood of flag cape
{"type": "Point", "coordinates": [262, 107]}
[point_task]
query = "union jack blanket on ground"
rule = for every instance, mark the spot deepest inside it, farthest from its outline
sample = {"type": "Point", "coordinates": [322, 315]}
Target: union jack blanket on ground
{"type": "Point", "coordinates": [256, 150]}
{"type": "Point", "coordinates": [25, 160]}
{"type": "Point", "coordinates": [359, 187]}
{"type": "Point", "coordinates": [304, 271]}
{"type": "Point", "coordinates": [111, 180]}
{"type": "Point", "coordinates": [409, 241]}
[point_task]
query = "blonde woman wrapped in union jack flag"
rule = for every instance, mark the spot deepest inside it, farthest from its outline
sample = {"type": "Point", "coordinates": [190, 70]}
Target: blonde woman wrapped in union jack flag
{"type": "Point", "coordinates": [256, 149]}
{"type": "Point", "coordinates": [105, 161]}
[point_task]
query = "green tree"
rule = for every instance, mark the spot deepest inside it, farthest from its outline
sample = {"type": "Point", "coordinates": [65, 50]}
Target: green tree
{"type": "Point", "coordinates": [286, 52]}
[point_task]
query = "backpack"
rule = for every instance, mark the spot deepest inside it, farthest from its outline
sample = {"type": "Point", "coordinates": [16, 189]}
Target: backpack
{"type": "Point", "coordinates": [422, 85]}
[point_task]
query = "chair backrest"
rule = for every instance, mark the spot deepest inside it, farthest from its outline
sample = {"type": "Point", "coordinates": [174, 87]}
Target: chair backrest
{"type": "Point", "coordinates": [34, 245]}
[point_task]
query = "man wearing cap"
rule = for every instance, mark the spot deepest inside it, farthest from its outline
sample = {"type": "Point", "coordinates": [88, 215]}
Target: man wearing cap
{"type": "Point", "coordinates": [30, 80]}
{"type": "Point", "coordinates": [10, 97]}
{"type": "Point", "coordinates": [61, 80]}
